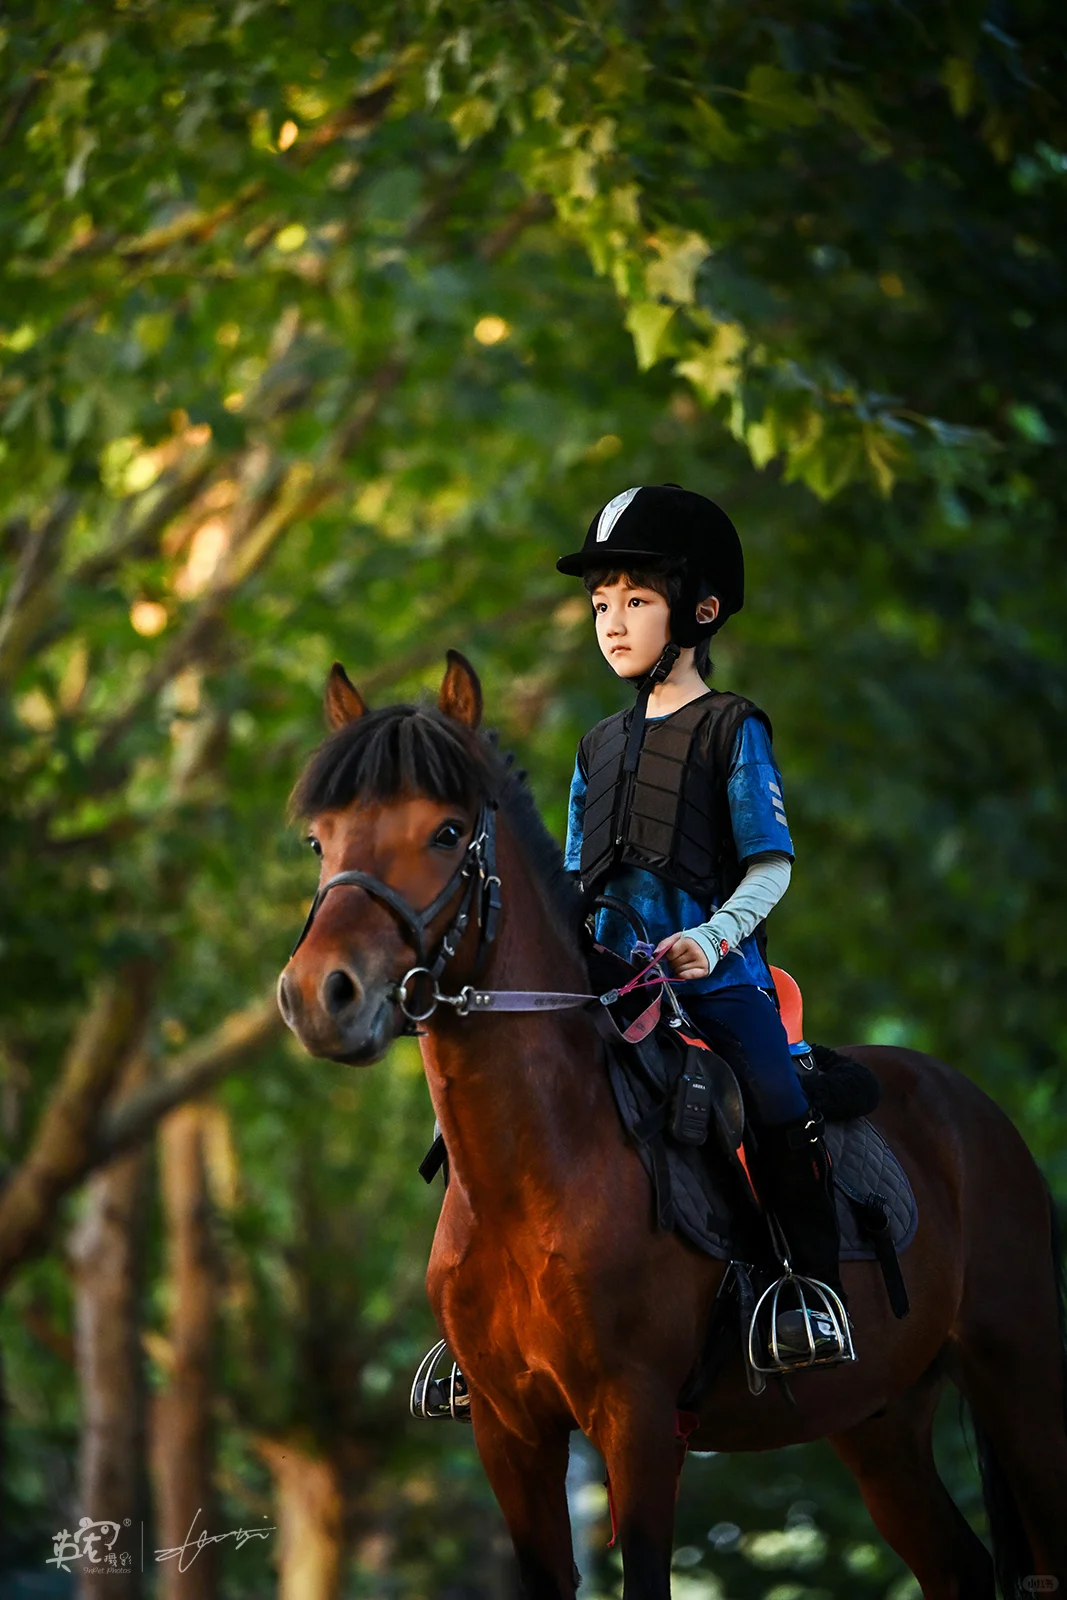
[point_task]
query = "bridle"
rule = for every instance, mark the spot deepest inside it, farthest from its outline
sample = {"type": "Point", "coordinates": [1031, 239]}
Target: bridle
{"type": "Point", "coordinates": [481, 896]}
{"type": "Point", "coordinates": [477, 870]}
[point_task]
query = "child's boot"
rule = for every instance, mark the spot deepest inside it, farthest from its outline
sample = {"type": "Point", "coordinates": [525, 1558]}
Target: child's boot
{"type": "Point", "coordinates": [799, 1184]}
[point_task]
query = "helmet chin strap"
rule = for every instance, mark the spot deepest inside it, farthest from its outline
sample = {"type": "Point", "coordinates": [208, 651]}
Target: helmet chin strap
{"type": "Point", "coordinates": [659, 674]}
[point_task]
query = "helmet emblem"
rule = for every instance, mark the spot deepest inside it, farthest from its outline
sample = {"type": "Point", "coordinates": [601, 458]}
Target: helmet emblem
{"type": "Point", "coordinates": [612, 512]}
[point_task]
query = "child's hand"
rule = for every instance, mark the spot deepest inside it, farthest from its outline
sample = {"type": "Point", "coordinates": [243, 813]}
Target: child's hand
{"type": "Point", "coordinates": [685, 958]}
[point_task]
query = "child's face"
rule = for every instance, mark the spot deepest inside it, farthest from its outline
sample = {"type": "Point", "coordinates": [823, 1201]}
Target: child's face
{"type": "Point", "coordinates": [632, 626]}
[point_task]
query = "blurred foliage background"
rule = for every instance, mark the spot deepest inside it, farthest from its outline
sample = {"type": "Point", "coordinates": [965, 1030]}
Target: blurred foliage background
{"type": "Point", "coordinates": [324, 329]}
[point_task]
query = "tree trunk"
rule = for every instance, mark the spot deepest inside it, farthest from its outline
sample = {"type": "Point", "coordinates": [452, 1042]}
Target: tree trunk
{"type": "Point", "coordinates": [308, 1497]}
{"type": "Point", "coordinates": [61, 1147]}
{"type": "Point", "coordinates": [182, 1434]}
{"type": "Point", "coordinates": [107, 1253]}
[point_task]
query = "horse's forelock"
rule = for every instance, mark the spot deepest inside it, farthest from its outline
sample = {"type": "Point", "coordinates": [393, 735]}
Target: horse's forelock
{"type": "Point", "coordinates": [405, 749]}
{"type": "Point", "coordinates": [397, 750]}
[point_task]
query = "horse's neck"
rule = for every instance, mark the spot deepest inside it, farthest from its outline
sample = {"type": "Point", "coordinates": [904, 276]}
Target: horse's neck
{"type": "Point", "coordinates": [514, 1092]}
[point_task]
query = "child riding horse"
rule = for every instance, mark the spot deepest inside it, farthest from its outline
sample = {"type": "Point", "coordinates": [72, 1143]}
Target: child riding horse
{"type": "Point", "coordinates": [564, 1304]}
{"type": "Point", "coordinates": [676, 809]}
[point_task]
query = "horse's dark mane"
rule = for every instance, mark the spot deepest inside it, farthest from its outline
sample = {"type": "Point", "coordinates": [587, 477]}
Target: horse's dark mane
{"type": "Point", "coordinates": [410, 749]}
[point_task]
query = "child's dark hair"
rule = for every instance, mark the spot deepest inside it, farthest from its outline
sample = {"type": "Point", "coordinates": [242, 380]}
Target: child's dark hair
{"type": "Point", "coordinates": [666, 579]}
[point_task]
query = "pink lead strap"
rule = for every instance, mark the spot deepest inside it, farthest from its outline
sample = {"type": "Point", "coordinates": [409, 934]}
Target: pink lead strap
{"type": "Point", "coordinates": [639, 981]}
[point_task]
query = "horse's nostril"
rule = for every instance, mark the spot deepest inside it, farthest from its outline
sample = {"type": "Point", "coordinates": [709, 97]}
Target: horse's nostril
{"type": "Point", "coordinates": [338, 991]}
{"type": "Point", "coordinates": [286, 999]}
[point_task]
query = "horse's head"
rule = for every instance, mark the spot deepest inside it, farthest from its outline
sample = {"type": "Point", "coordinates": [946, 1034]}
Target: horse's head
{"type": "Point", "coordinates": [392, 797]}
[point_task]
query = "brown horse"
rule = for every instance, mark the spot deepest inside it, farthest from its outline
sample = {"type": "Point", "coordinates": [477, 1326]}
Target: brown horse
{"type": "Point", "coordinates": [562, 1304]}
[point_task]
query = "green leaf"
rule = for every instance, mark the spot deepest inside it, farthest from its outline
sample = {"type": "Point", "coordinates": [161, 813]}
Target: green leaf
{"type": "Point", "coordinates": [648, 322]}
{"type": "Point", "coordinates": [776, 100]}
{"type": "Point", "coordinates": [681, 253]}
{"type": "Point", "coordinates": [713, 368]}
{"type": "Point", "coordinates": [713, 132]}
{"type": "Point", "coordinates": [472, 118]}
{"type": "Point", "coordinates": [1028, 421]}
{"type": "Point", "coordinates": [884, 456]}
{"type": "Point", "coordinates": [958, 77]}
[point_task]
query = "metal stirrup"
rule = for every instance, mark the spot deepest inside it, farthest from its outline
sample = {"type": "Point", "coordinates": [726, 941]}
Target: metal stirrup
{"type": "Point", "coordinates": [418, 1403]}
{"type": "Point", "coordinates": [830, 1307]}
{"type": "Point", "coordinates": [828, 1304]}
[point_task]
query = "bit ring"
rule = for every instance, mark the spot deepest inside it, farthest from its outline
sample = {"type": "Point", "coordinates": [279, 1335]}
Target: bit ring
{"type": "Point", "coordinates": [402, 995]}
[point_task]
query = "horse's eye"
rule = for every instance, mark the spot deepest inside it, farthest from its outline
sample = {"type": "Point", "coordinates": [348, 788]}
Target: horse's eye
{"type": "Point", "coordinates": [448, 835]}
{"type": "Point", "coordinates": [315, 845]}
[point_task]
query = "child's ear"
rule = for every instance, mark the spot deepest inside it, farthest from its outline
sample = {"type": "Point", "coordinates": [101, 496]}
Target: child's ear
{"type": "Point", "coordinates": [708, 608]}
{"type": "Point", "coordinates": [461, 693]}
{"type": "Point", "coordinates": [342, 701]}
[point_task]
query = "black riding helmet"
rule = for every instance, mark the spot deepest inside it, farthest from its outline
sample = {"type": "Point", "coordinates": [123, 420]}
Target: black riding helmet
{"type": "Point", "coordinates": [660, 524]}
{"type": "Point", "coordinates": [666, 524]}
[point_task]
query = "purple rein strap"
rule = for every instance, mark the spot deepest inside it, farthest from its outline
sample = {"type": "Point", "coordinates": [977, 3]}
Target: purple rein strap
{"type": "Point", "coordinates": [470, 1000]}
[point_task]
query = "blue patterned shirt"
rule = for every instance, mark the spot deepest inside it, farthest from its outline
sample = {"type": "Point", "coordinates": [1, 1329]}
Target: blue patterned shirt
{"type": "Point", "coordinates": [757, 813]}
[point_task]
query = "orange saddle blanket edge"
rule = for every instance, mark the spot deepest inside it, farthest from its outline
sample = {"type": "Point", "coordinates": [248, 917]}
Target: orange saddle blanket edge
{"type": "Point", "coordinates": [791, 1003]}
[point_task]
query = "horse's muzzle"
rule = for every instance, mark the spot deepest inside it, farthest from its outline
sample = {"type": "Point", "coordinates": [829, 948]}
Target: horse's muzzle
{"type": "Point", "coordinates": [341, 1022]}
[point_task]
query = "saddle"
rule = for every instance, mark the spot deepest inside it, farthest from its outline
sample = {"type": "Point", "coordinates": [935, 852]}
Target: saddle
{"type": "Point", "coordinates": [705, 1183]}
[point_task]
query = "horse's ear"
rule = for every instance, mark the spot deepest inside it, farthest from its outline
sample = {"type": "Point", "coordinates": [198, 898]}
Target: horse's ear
{"type": "Point", "coordinates": [343, 701]}
{"type": "Point", "coordinates": [461, 693]}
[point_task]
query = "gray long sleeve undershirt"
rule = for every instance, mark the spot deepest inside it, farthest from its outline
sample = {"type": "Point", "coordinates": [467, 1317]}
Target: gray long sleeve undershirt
{"type": "Point", "coordinates": [759, 892]}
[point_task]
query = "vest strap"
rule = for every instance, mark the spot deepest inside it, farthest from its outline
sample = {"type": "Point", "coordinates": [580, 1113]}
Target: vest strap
{"type": "Point", "coordinates": [659, 674]}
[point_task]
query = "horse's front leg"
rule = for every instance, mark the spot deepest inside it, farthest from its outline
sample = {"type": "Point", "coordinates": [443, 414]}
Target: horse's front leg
{"type": "Point", "coordinates": [636, 1434]}
{"type": "Point", "coordinates": [530, 1484]}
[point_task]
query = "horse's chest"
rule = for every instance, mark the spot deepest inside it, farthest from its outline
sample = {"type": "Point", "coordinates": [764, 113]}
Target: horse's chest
{"type": "Point", "coordinates": [520, 1312]}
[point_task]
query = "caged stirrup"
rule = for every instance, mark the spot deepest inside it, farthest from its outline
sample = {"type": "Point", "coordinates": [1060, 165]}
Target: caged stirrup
{"type": "Point", "coordinates": [438, 1399]}
{"type": "Point", "coordinates": [799, 1321]}
{"type": "Point", "coordinates": [814, 1331]}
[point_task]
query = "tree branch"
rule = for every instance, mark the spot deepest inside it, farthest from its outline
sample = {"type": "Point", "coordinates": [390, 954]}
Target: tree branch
{"type": "Point", "coordinates": [169, 495]}
{"type": "Point", "coordinates": [302, 492]}
{"type": "Point", "coordinates": [61, 1150]}
{"type": "Point", "coordinates": [196, 227]}
{"type": "Point", "coordinates": [75, 1137]}
{"type": "Point", "coordinates": [431, 649]}
{"type": "Point", "coordinates": [538, 208]}
{"type": "Point", "coordinates": [22, 102]}
{"type": "Point", "coordinates": [27, 598]}
{"type": "Point", "coordinates": [191, 1073]}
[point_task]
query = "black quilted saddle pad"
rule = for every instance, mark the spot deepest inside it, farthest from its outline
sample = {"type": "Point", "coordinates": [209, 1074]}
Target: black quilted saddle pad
{"type": "Point", "coordinates": [711, 1215]}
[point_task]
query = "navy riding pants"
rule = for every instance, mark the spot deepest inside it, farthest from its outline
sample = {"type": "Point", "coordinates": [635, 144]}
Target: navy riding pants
{"type": "Point", "coordinates": [747, 1017]}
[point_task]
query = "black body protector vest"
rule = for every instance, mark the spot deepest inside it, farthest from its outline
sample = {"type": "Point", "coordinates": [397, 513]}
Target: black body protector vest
{"type": "Point", "coordinates": [672, 815]}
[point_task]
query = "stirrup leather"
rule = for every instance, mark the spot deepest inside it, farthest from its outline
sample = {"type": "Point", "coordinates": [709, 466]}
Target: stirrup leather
{"type": "Point", "coordinates": [813, 1302]}
{"type": "Point", "coordinates": [438, 1399]}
